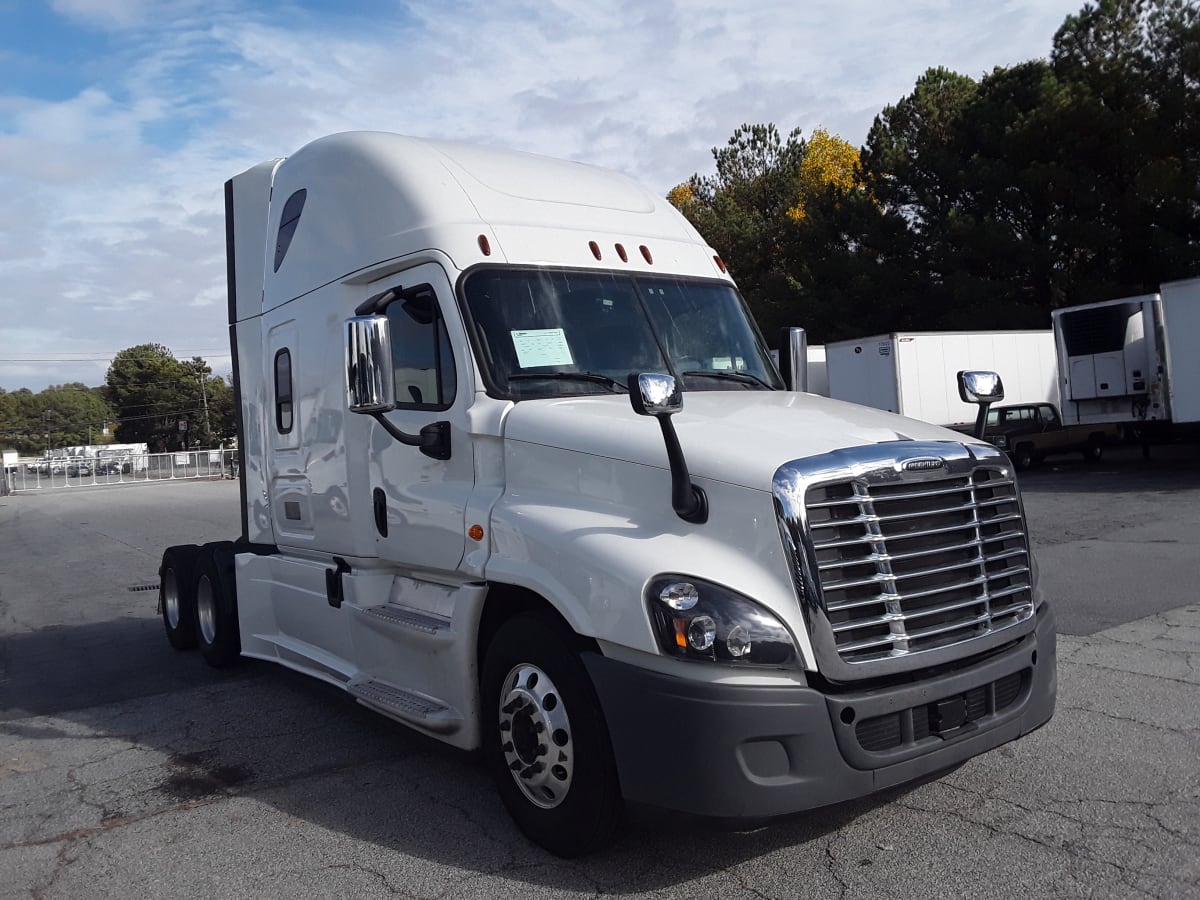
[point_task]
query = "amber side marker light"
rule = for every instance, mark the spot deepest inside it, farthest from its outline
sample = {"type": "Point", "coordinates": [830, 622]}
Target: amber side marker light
{"type": "Point", "coordinates": [720, 264]}
{"type": "Point", "coordinates": [475, 532]}
{"type": "Point", "coordinates": [485, 245]}
{"type": "Point", "coordinates": [595, 248]}
{"type": "Point", "coordinates": [621, 253]}
{"type": "Point", "coordinates": [646, 254]}
{"type": "Point", "coordinates": [681, 633]}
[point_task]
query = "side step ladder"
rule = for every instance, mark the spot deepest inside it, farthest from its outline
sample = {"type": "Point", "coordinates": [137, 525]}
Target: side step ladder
{"type": "Point", "coordinates": [407, 706]}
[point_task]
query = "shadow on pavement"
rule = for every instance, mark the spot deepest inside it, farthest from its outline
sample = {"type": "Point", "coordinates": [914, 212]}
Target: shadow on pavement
{"type": "Point", "coordinates": [262, 732]}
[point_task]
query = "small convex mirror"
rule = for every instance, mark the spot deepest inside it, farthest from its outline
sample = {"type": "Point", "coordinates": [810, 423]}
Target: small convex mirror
{"type": "Point", "coordinates": [369, 384]}
{"type": "Point", "coordinates": [980, 387]}
{"type": "Point", "coordinates": [654, 395]}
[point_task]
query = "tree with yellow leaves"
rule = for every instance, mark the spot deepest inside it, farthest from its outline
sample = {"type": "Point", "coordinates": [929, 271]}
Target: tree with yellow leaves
{"type": "Point", "coordinates": [828, 162]}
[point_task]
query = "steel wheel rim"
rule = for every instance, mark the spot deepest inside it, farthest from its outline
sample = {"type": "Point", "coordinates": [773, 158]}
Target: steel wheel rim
{"type": "Point", "coordinates": [171, 598]}
{"type": "Point", "coordinates": [206, 609]}
{"type": "Point", "coordinates": [535, 736]}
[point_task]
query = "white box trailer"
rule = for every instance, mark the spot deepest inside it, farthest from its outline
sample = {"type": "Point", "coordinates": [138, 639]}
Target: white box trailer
{"type": "Point", "coordinates": [1130, 360]}
{"type": "Point", "coordinates": [913, 372]}
{"type": "Point", "coordinates": [1181, 329]}
{"type": "Point", "coordinates": [818, 370]}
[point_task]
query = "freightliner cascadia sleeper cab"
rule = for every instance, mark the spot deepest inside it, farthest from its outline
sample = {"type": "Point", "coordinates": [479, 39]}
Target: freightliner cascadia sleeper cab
{"type": "Point", "coordinates": [518, 471]}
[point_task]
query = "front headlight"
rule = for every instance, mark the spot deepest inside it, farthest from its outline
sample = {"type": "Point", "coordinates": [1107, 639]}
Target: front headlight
{"type": "Point", "coordinates": [699, 620]}
{"type": "Point", "coordinates": [1001, 441]}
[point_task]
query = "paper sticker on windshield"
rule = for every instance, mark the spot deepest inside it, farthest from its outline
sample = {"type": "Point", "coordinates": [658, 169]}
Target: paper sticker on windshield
{"type": "Point", "coordinates": [541, 347]}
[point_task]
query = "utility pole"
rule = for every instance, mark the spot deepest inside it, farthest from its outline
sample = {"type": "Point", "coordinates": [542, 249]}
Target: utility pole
{"type": "Point", "coordinates": [204, 395]}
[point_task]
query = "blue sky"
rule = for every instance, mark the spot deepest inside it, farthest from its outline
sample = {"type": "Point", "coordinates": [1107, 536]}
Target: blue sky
{"type": "Point", "coordinates": [120, 120]}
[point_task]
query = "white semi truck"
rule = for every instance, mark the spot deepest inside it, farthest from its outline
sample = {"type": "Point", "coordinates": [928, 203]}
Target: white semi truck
{"type": "Point", "coordinates": [1133, 361]}
{"type": "Point", "coordinates": [454, 509]}
{"type": "Point", "coordinates": [913, 373]}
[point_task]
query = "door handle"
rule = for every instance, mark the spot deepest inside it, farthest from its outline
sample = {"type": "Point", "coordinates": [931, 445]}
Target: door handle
{"type": "Point", "coordinates": [379, 502]}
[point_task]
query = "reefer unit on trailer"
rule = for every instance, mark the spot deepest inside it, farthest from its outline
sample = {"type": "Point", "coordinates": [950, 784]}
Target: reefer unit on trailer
{"type": "Point", "coordinates": [1133, 360]}
{"type": "Point", "coordinates": [913, 373]}
{"type": "Point", "coordinates": [475, 499]}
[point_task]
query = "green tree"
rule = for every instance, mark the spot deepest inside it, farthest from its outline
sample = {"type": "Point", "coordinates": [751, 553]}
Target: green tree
{"type": "Point", "coordinates": [59, 416]}
{"type": "Point", "coordinates": [1049, 183]}
{"type": "Point", "coordinates": [73, 414]}
{"type": "Point", "coordinates": [742, 211]}
{"type": "Point", "coordinates": [1133, 70]}
{"type": "Point", "coordinates": [977, 204]}
{"type": "Point", "coordinates": [152, 392]}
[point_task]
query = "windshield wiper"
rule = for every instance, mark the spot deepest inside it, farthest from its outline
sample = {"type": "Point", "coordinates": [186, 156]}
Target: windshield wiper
{"type": "Point", "coordinates": [593, 377]}
{"type": "Point", "coordinates": [743, 377]}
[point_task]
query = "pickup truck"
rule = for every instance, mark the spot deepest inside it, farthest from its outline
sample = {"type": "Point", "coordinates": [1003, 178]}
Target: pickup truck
{"type": "Point", "coordinates": [1029, 432]}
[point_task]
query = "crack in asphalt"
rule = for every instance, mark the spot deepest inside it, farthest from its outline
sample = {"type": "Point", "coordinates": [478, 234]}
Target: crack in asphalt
{"type": "Point", "coordinates": [377, 875]}
{"type": "Point", "coordinates": [1078, 848]}
{"type": "Point", "coordinates": [1130, 720]}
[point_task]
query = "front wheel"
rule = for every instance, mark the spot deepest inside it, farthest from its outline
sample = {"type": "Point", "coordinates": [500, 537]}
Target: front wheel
{"type": "Point", "coordinates": [1094, 451]}
{"type": "Point", "coordinates": [545, 740]}
{"type": "Point", "coordinates": [1023, 457]}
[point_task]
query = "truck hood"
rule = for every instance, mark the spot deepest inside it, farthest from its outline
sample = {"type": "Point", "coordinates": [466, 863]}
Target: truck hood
{"type": "Point", "coordinates": [739, 437]}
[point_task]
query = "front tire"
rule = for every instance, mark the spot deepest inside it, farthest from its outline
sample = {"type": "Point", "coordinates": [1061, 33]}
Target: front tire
{"type": "Point", "coordinates": [176, 599]}
{"type": "Point", "coordinates": [216, 608]}
{"type": "Point", "coordinates": [545, 740]}
{"type": "Point", "coordinates": [1094, 451]}
{"type": "Point", "coordinates": [1023, 457]}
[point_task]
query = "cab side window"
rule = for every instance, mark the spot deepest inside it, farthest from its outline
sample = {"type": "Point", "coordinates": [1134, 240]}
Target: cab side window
{"type": "Point", "coordinates": [422, 364]}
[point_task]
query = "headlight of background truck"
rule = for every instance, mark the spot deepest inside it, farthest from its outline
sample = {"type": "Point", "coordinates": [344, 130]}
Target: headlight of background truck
{"type": "Point", "coordinates": [699, 620]}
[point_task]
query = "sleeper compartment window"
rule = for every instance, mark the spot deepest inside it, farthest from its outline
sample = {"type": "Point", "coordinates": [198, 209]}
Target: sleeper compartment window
{"type": "Point", "coordinates": [283, 391]}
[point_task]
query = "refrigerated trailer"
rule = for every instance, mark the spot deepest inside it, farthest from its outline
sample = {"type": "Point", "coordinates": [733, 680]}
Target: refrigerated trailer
{"type": "Point", "coordinates": [1132, 361]}
{"type": "Point", "coordinates": [913, 373]}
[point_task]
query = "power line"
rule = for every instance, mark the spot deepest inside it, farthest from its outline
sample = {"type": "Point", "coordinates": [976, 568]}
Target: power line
{"type": "Point", "coordinates": [70, 353]}
{"type": "Point", "coordinates": [79, 359]}
{"type": "Point", "coordinates": [59, 427]}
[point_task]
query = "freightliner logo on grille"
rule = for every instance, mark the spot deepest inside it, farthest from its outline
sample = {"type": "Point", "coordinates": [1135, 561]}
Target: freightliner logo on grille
{"type": "Point", "coordinates": [927, 464]}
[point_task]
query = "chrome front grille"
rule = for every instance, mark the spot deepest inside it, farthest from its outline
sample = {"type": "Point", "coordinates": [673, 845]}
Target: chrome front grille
{"type": "Point", "coordinates": [905, 555]}
{"type": "Point", "coordinates": [905, 566]}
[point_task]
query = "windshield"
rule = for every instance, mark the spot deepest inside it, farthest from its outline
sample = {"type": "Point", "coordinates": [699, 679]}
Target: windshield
{"type": "Point", "coordinates": [550, 333]}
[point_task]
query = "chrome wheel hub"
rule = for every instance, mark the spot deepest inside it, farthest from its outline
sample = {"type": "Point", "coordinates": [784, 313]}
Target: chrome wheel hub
{"type": "Point", "coordinates": [206, 610]}
{"type": "Point", "coordinates": [170, 589]}
{"type": "Point", "coordinates": [535, 736]}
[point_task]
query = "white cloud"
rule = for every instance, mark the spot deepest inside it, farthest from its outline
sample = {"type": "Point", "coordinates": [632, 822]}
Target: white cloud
{"type": "Point", "coordinates": [111, 227]}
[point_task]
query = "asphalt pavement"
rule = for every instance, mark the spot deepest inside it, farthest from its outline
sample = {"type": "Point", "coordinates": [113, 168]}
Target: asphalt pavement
{"type": "Point", "coordinates": [129, 770]}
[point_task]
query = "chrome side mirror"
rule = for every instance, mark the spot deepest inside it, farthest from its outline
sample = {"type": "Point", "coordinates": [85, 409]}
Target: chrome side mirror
{"type": "Point", "coordinates": [980, 387]}
{"type": "Point", "coordinates": [655, 395]}
{"type": "Point", "coordinates": [984, 388]}
{"type": "Point", "coordinates": [369, 384]}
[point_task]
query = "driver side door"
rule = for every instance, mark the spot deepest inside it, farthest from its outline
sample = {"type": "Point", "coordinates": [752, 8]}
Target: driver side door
{"type": "Point", "coordinates": [420, 501]}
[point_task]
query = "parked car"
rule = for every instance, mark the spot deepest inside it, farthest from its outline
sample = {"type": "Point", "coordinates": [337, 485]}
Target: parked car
{"type": "Point", "coordinates": [79, 467]}
{"type": "Point", "coordinates": [110, 467]}
{"type": "Point", "coordinates": [1030, 432]}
